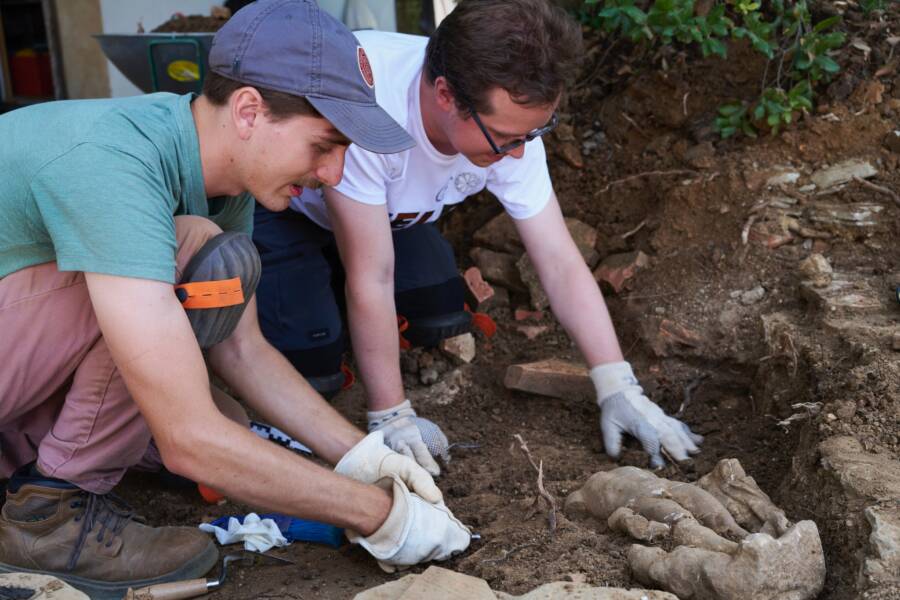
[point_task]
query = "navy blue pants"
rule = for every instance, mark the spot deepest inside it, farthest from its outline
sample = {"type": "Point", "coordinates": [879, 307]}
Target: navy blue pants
{"type": "Point", "coordinates": [301, 292]}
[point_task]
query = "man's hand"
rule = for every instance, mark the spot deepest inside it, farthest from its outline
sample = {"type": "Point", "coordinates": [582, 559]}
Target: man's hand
{"type": "Point", "coordinates": [625, 409]}
{"type": "Point", "coordinates": [370, 460]}
{"type": "Point", "coordinates": [414, 531]}
{"type": "Point", "coordinates": [403, 435]}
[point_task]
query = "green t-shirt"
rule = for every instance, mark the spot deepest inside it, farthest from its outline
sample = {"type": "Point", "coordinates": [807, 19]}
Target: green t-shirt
{"type": "Point", "coordinates": [94, 185]}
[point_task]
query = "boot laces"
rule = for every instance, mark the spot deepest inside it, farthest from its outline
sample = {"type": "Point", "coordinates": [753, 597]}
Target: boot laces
{"type": "Point", "coordinates": [108, 510]}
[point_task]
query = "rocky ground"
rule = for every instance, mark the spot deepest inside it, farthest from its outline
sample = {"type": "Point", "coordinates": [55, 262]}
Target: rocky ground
{"type": "Point", "coordinates": [752, 285]}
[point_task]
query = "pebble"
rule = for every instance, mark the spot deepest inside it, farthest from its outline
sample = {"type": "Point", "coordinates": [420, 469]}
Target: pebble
{"type": "Point", "coordinates": [428, 376]}
{"type": "Point", "coordinates": [753, 296]}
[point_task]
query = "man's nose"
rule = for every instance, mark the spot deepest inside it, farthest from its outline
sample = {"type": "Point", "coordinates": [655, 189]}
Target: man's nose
{"type": "Point", "coordinates": [331, 170]}
{"type": "Point", "coordinates": [517, 152]}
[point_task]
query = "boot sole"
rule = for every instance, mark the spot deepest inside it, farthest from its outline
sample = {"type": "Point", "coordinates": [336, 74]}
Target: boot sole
{"type": "Point", "coordinates": [107, 590]}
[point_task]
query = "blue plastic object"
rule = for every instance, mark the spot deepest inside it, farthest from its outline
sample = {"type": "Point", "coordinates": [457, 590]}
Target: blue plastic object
{"type": "Point", "coordinates": [297, 530]}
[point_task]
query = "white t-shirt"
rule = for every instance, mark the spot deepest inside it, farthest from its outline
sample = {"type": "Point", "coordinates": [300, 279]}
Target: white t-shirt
{"type": "Point", "coordinates": [421, 183]}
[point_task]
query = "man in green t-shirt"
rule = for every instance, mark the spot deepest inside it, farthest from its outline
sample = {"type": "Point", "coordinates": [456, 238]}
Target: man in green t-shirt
{"type": "Point", "coordinates": [108, 203]}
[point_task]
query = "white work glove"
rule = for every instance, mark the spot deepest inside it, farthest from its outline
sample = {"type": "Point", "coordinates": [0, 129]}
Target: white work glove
{"type": "Point", "coordinates": [625, 409]}
{"type": "Point", "coordinates": [403, 435]}
{"type": "Point", "coordinates": [414, 531]}
{"type": "Point", "coordinates": [370, 460]}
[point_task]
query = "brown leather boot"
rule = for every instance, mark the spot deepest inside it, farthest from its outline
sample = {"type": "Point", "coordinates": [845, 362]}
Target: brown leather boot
{"type": "Point", "coordinates": [94, 542]}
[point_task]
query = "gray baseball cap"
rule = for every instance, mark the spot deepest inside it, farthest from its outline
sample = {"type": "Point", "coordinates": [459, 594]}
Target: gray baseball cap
{"type": "Point", "coordinates": [292, 46]}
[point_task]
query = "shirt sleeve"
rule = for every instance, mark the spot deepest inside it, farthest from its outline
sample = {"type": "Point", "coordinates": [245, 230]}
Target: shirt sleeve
{"type": "Point", "coordinates": [522, 185]}
{"type": "Point", "coordinates": [107, 211]}
{"type": "Point", "coordinates": [365, 176]}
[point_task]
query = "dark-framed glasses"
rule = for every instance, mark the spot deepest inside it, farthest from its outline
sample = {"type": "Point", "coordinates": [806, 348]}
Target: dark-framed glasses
{"type": "Point", "coordinates": [510, 146]}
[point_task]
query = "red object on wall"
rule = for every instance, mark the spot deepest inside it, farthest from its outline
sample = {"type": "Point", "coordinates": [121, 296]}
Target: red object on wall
{"type": "Point", "coordinates": [31, 74]}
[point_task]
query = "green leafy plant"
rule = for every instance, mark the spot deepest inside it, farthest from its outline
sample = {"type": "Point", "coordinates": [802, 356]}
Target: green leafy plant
{"type": "Point", "coordinates": [799, 52]}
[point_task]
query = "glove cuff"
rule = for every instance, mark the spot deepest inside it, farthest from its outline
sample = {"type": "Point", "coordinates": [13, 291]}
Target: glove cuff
{"type": "Point", "coordinates": [358, 459]}
{"type": "Point", "coordinates": [379, 418]}
{"type": "Point", "coordinates": [612, 378]}
{"type": "Point", "coordinates": [389, 538]}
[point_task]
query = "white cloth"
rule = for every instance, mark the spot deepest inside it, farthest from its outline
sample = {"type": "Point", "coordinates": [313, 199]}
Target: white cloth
{"type": "Point", "coordinates": [420, 183]}
{"type": "Point", "coordinates": [257, 534]}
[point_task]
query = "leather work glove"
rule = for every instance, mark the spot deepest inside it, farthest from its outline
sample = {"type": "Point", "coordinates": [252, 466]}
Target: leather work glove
{"type": "Point", "coordinates": [415, 531]}
{"type": "Point", "coordinates": [402, 433]}
{"type": "Point", "coordinates": [370, 461]}
{"type": "Point", "coordinates": [625, 409]}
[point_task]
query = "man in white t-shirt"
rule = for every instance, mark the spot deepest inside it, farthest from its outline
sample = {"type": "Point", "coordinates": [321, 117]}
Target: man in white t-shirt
{"type": "Point", "coordinates": [476, 98]}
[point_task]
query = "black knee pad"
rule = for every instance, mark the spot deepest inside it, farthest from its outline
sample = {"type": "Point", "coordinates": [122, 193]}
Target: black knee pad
{"type": "Point", "coordinates": [321, 366]}
{"type": "Point", "coordinates": [217, 284]}
{"type": "Point", "coordinates": [434, 312]}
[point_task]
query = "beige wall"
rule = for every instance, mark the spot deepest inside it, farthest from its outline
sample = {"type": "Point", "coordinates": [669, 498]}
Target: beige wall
{"type": "Point", "coordinates": [84, 65]}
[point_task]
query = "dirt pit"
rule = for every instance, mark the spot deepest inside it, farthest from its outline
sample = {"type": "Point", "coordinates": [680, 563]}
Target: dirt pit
{"type": "Point", "coordinates": [800, 383]}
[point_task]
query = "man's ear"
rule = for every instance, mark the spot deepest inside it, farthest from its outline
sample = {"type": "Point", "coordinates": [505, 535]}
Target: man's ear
{"type": "Point", "coordinates": [247, 108]}
{"type": "Point", "coordinates": [443, 95]}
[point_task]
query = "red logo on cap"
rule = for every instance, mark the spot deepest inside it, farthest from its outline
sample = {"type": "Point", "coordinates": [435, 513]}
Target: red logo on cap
{"type": "Point", "coordinates": [365, 69]}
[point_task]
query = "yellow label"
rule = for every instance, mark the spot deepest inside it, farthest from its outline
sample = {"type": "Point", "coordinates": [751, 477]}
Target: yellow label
{"type": "Point", "coordinates": [183, 70]}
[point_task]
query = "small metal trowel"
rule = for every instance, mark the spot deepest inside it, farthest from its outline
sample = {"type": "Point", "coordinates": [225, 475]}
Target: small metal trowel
{"type": "Point", "coordinates": [191, 588]}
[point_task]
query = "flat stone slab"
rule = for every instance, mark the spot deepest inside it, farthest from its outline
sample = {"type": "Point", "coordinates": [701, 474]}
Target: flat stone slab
{"type": "Point", "coordinates": [861, 473]}
{"type": "Point", "coordinates": [553, 377]}
{"type": "Point", "coordinates": [438, 583]}
{"type": "Point", "coordinates": [843, 172]}
{"type": "Point", "coordinates": [843, 294]}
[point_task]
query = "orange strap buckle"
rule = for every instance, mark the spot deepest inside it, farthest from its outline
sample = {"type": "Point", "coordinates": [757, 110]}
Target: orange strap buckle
{"type": "Point", "coordinates": [210, 294]}
{"type": "Point", "coordinates": [483, 322]}
{"type": "Point", "coordinates": [403, 325]}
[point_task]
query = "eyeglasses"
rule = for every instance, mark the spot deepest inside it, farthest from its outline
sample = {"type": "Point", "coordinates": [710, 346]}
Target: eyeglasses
{"type": "Point", "coordinates": [509, 147]}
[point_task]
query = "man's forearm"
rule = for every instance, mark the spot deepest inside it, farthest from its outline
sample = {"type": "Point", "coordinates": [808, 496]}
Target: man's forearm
{"type": "Point", "coordinates": [376, 346]}
{"type": "Point", "coordinates": [234, 461]}
{"type": "Point", "coordinates": [269, 384]}
{"type": "Point", "coordinates": [579, 306]}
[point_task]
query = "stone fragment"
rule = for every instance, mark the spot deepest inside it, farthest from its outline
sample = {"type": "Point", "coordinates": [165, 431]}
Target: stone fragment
{"type": "Point", "coordinates": [843, 172]}
{"type": "Point", "coordinates": [882, 562]}
{"type": "Point", "coordinates": [499, 234]}
{"type": "Point", "coordinates": [753, 296]}
{"type": "Point", "coordinates": [842, 295]}
{"type": "Point", "coordinates": [701, 156]}
{"type": "Point", "coordinates": [763, 568]}
{"type": "Point", "coordinates": [585, 237]}
{"type": "Point", "coordinates": [428, 376]}
{"type": "Point", "coordinates": [453, 586]}
{"type": "Point", "coordinates": [437, 582]}
{"type": "Point", "coordinates": [670, 337]}
{"type": "Point", "coordinates": [714, 557]}
{"type": "Point", "coordinates": [783, 178]}
{"type": "Point", "coordinates": [529, 276]}
{"type": "Point", "coordinates": [861, 473]}
{"type": "Point", "coordinates": [892, 141]}
{"type": "Point", "coordinates": [553, 377]}
{"type": "Point", "coordinates": [895, 341]}
{"type": "Point", "coordinates": [522, 314]}
{"type": "Point", "coordinates": [460, 348]}
{"type": "Point", "coordinates": [570, 154]}
{"type": "Point", "coordinates": [38, 587]}
{"type": "Point", "coordinates": [478, 291]}
{"type": "Point", "coordinates": [532, 331]}
{"type": "Point", "coordinates": [835, 216]}
{"type": "Point", "coordinates": [817, 270]}
{"type": "Point", "coordinates": [498, 268]}
{"type": "Point", "coordinates": [617, 269]}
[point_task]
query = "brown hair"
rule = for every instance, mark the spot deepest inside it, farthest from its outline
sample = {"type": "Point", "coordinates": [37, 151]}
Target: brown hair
{"type": "Point", "coordinates": [529, 48]}
{"type": "Point", "coordinates": [279, 105]}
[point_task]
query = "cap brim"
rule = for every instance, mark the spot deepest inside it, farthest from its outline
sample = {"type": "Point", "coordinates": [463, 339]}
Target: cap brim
{"type": "Point", "coordinates": [367, 126]}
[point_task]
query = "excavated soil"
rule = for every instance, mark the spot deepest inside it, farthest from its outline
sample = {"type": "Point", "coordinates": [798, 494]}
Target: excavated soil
{"type": "Point", "coordinates": [740, 365]}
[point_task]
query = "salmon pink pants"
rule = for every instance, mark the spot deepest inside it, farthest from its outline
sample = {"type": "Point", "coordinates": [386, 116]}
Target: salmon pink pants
{"type": "Point", "coordinates": [62, 399]}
